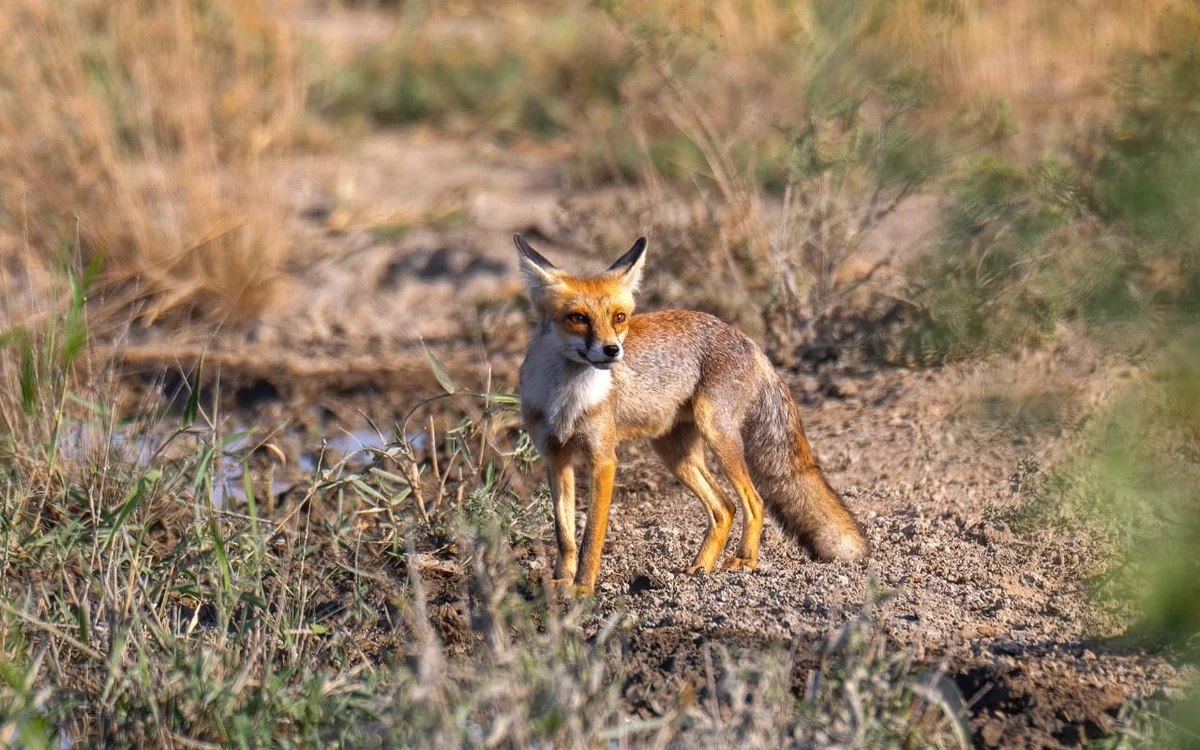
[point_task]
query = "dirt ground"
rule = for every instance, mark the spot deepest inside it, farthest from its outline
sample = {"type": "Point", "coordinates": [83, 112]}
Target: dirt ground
{"type": "Point", "coordinates": [1007, 618]}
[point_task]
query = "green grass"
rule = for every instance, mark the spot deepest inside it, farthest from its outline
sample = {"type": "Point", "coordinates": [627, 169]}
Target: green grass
{"type": "Point", "coordinates": [1139, 474]}
{"type": "Point", "coordinates": [1012, 264]}
{"type": "Point", "coordinates": [1156, 723]}
{"type": "Point", "coordinates": [505, 86]}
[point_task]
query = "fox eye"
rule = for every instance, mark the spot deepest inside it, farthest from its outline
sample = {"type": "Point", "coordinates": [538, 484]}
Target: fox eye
{"type": "Point", "coordinates": [578, 318]}
{"type": "Point", "coordinates": [619, 318]}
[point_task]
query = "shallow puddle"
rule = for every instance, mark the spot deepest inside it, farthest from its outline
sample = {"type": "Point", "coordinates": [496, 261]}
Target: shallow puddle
{"type": "Point", "coordinates": [299, 460]}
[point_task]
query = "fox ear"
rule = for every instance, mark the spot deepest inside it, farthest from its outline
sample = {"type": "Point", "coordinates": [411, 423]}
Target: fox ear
{"type": "Point", "coordinates": [629, 266]}
{"type": "Point", "coordinates": [537, 272]}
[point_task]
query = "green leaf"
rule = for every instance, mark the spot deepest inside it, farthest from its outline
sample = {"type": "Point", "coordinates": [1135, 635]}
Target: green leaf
{"type": "Point", "coordinates": [235, 437]}
{"type": "Point", "coordinates": [387, 476]}
{"type": "Point", "coordinates": [131, 501]}
{"type": "Point", "coordinates": [399, 496]}
{"type": "Point", "coordinates": [75, 337]}
{"type": "Point", "coordinates": [90, 274]}
{"type": "Point", "coordinates": [202, 477]}
{"type": "Point", "coordinates": [75, 333]}
{"type": "Point", "coordinates": [114, 664]}
{"type": "Point", "coordinates": [11, 677]}
{"type": "Point", "coordinates": [503, 399]}
{"type": "Point", "coordinates": [82, 622]}
{"type": "Point", "coordinates": [366, 490]}
{"type": "Point", "coordinates": [439, 372]}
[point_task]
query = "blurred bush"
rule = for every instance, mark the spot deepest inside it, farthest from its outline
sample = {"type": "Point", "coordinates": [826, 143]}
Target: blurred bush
{"type": "Point", "coordinates": [1106, 235]}
{"type": "Point", "coordinates": [1105, 238]}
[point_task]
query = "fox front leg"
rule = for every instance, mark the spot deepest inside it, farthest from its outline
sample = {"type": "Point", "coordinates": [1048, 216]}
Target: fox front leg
{"type": "Point", "coordinates": [604, 470]}
{"type": "Point", "coordinates": [561, 475]}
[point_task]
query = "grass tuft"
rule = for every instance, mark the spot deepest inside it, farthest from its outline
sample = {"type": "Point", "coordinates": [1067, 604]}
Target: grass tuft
{"type": "Point", "coordinates": [143, 132]}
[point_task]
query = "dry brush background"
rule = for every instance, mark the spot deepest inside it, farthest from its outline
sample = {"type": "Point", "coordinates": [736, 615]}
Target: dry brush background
{"type": "Point", "coordinates": [262, 477]}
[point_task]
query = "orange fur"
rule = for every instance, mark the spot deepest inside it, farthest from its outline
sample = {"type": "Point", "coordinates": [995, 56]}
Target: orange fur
{"type": "Point", "coordinates": [595, 376]}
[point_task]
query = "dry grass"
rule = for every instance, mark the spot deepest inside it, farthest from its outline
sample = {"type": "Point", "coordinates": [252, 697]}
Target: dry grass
{"type": "Point", "coordinates": [743, 59]}
{"type": "Point", "coordinates": [143, 131]}
{"type": "Point", "coordinates": [147, 129]}
{"type": "Point", "coordinates": [1047, 59]}
{"type": "Point", "coordinates": [1037, 56]}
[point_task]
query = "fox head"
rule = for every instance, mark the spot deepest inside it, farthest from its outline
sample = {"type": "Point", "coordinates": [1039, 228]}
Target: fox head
{"type": "Point", "coordinates": [587, 317]}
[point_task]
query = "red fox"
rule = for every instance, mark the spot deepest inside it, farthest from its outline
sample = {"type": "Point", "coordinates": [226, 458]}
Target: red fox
{"type": "Point", "coordinates": [596, 375]}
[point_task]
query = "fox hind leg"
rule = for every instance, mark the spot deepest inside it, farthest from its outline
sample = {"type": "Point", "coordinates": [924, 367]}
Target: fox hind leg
{"type": "Point", "coordinates": [682, 451]}
{"type": "Point", "coordinates": [735, 469]}
{"type": "Point", "coordinates": [727, 446]}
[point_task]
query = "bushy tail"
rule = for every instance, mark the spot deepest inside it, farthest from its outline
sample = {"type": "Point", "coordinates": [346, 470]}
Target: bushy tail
{"type": "Point", "coordinates": [791, 484]}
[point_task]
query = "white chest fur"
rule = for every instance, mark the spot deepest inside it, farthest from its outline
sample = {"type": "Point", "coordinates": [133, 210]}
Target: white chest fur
{"type": "Point", "coordinates": [562, 391]}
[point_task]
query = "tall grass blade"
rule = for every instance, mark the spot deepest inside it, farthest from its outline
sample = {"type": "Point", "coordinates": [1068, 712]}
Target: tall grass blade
{"type": "Point", "coordinates": [75, 333]}
{"type": "Point", "coordinates": [131, 502]}
{"type": "Point", "coordinates": [222, 557]}
{"type": "Point", "coordinates": [29, 374]}
{"type": "Point", "coordinates": [192, 407]}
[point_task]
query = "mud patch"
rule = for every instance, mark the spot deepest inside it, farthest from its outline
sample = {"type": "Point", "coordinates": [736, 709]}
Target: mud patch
{"type": "Point", "coordinates": [456, 265]}
{"type": "Point", "coordinates": [1012, 709]}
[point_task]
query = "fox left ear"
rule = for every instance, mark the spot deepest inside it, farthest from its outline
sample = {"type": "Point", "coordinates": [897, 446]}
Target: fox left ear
{"type": "Point", "coordinates": [629, 266]}
{"type": "Point", "coordinates": [538, 273]}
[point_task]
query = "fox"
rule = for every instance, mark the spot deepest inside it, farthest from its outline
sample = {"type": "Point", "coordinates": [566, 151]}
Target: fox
{"type": "Point", "coordinates": [596, 376]}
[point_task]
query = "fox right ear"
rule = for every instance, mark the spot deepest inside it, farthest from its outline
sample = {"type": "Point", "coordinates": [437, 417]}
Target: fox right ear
{"type": "Point", "coordinates": [629, 266]}
{"type": "Point", "coordinates": [537, 272]}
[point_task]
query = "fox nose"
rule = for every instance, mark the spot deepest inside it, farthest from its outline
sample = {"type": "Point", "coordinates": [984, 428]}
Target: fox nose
{"type": "Point", "coordinates": [612, 350]}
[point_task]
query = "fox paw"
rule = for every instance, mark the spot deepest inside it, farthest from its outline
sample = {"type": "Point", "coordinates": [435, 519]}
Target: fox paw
{"type": "Point", "coordinates": [566, 587]}
{"type": "Point", "coordinates": [741, 563]}
{"type": "Point", "coordinates": [697, 570]}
